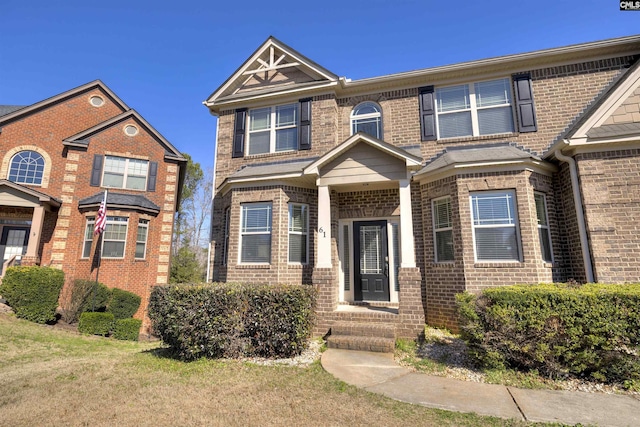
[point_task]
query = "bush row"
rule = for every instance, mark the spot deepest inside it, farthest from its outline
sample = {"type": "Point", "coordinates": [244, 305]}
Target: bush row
{"type": "Point", "coordinates": [88, 295]}
{"type": "Point", "coordinates": [231, 320]}
{"type": "Point", "coordinates": [97, 323]}
{"type": "Point", "coordinates": [557, 329]}
{"type": "Point", "coordinates": [33, 292]}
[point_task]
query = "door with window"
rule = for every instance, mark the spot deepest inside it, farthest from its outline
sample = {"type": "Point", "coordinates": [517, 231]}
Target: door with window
{"type": "Point", "coordinates": [371, 253]}
{"type": "Point", "coordinates": [13, 241]}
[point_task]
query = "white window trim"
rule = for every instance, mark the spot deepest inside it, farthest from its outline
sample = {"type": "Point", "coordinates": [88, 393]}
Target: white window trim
{"type": "Point", "coordinates": [473, 108]}
{"type": "Point", "coordinates": [436, 230]}
{"type": "Point", "coordinates": [515, 225]}
{"type": "Point", "coordinates": [299, 233]}
{"type": "Point", "coordinates": [146, 238]}
{"type": "Point", "coordinates": [44, 167]}
{"type": "Point", "coordinates": [90, 222]}
{"type": "Point", "coordinates": [548, 228]}
{"type": "Point", "coordinates": [125, 174]}
{"type": "Point", "coordinates": [227, 232]}
{"type": "Point", "coordinates": [272, 129]}
{"type": "Point", "coordinates": [377, 115]}
{"type": "Point", "coordinates": [241, 234]}
{"type": "Point", "coordinates": [124, 248]}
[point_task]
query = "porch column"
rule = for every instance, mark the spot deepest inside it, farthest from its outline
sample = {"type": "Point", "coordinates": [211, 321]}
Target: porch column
{"type": "Point", "coordinates": [37, 222]}
{"type": "Point", "coordinates": [323, 259]}
{"type": "Point", "coordinates": [407, 250]}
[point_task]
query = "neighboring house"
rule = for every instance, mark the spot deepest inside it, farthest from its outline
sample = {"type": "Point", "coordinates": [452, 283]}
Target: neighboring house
{"type": "Point", "coordinates": [397, 192]}
{"type": "Point", "coordinates": [58, 156]}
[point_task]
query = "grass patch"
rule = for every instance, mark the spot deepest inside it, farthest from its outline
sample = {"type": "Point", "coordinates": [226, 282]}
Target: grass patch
{"type": "Point", "coordinates": [56, 376]}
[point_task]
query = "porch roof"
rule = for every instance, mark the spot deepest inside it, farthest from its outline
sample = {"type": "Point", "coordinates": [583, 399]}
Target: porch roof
{"type": "Point", "coordinates": [43, 198]}
{"type": "Point", "coordinates": [120, 200]}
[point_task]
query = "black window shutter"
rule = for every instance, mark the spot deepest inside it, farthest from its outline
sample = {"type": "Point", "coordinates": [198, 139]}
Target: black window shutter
{"type": "Point", "coordinates": [304, 131]}
{"type": "Point", "coordinates": [96, 170]}
{"type": "Point", "coordinates": [427, 113]}
{"type": "Point", "coordinates": [239, 133]}
{"type": "Point", "coordinates": [524, 103]}
{"type": "Point", "coordinates": [153, 173]}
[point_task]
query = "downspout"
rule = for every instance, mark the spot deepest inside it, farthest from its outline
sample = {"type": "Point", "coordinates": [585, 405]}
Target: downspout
{"type": "Point", "coordinates": [577, 200]}
{"type": "Point", "coordinates": [213, 195]}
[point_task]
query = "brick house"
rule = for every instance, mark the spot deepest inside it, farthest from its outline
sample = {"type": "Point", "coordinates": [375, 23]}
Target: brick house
{"type": "Point", "coordinates": [391, 194]}
{"type": "Point", "coordinates": [57, 158]}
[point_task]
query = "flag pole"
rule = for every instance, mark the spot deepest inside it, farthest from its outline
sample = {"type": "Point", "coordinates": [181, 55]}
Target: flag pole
{"type": "Point", "coordinates": [99, 226]}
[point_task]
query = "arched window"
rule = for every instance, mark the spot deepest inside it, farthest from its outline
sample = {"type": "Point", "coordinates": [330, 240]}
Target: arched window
{"type": "Point", "coordinates": [367, 118]}
{"type": "Point", "coordinates": [27, 167]}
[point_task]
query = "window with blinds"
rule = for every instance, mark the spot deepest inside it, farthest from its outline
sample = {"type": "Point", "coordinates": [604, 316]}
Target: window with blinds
{"type": "Point", "coordinates": [442, 229]}
{"type": "Point", "coordinates": [494, 222]}
{"type": "Point", "coordinates": [255, 233]}
{"type": "Point", "coordinates": [298, 233]}
{"type": "Point", "coordinates": [482, 108]}
{"type": "Point", "coordinates": [543, 227]}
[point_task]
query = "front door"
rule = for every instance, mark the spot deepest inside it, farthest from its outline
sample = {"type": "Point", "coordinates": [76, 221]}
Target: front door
{"type": "Point", "coordinates": [371, 272]}
{"type": "Point", "coordinates": [13, 241]}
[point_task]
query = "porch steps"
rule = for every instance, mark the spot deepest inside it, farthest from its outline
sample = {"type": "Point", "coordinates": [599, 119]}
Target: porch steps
{"type": "Point", "coordinates": [378, 337]}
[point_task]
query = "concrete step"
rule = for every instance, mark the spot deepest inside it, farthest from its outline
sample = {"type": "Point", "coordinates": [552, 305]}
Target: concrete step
{"type": "Point", "coordinates": [382, 330]}
{"type": "Point", "coordinates": [353, 342]}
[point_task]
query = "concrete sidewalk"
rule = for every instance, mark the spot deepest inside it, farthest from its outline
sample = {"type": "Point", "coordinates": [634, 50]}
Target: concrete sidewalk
{"type": "Point", "coordinates": [378, 373]}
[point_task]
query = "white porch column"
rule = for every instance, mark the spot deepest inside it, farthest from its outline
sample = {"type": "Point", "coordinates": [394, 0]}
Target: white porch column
{"type": "Point", "coordinates": [37, 223]}
{"type": "Point", "coordinates": [323, 257]}
{"type": "Point", "coordinates": [407, 249]}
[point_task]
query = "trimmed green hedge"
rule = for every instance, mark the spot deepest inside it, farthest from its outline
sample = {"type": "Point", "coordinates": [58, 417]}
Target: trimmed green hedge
{"type": "Point", "coordinates": [123, 304]}
{"type": "Point", "coordinates": [96, 323]}
{"type": "Point", "coordinates": [33, 292]}
{"type": "Point", "coordinates": [557, 329]}
{"type": "Point", "coordinates": [83, 295]}
{"type": "Point", "coordinates": [231, 320]}
{"type": "Point", "coordinates": [127, 329]}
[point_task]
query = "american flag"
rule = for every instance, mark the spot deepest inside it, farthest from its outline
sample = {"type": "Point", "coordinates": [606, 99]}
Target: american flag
{"type": "Point", "coordinates": [101, 221]}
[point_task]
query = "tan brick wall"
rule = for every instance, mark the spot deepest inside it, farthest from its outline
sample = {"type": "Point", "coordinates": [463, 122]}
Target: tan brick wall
{"type": "Point", "coordinates": [611, 195]}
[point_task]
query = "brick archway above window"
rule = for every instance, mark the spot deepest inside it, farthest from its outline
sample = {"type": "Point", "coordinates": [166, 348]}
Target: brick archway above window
{"type": "Point", "coordinates": [6, 163]}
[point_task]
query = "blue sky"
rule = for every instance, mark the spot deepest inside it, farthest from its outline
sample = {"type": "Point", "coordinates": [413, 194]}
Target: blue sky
{"type": "Point", "coordinates": [164, 58]}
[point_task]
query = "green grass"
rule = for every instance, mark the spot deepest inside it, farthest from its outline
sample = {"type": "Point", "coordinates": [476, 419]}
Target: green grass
{"type": "Point", "coordinates": [54, 377]}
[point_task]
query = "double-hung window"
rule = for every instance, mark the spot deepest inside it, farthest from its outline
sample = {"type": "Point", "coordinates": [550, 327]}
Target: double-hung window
{"type": "Point", "coordinates": [141, 238]}
{"type": "Point", "coordinates": [543, 227]}
{"type": "Point", "coordinates": [443, 229]}
{"type": "Point", "coordinates": [227, 230]}
{"type": "Point", "coordinates": [255, 233]}
{"type": "Point", "coordinates": [121, 172]}
{"type": "Point", "coordinates": [298, 233]}
{"type": "Point", "coordinates": [88, 237]}
{"type": "Point", "coordinates": [273, 129]}
{"type": "Point", "coordinates": [474, 109]}
{"type": "Point", "coordinates": [114, 237]}
{"type": "Point", "coordinates": [494, 222]}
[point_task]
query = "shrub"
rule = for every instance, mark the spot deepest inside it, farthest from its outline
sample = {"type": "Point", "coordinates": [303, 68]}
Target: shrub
{"type": "Point", "coordinates": [230, 320]}
{"type": "Point", "coordinates": [556, 329]}
{"type": "Point", "coordinates": [94, 323]}
{"type": "Point", "coordinates": [84, 295]}
{"type": "Point", "coordinates": [123, 304]}
{"type": "Point", "coordinates": [127, 329]}
{"type": "Point", "coordinates": [33, 292]}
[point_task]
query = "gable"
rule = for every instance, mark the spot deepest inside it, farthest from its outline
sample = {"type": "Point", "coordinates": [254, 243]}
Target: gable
{"type": "Point", "coordinates": [273, 67]}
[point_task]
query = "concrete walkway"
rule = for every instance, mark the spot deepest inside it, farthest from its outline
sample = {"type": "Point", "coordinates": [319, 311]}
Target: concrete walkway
{"type": "Point", "coordinates": [378, 373]}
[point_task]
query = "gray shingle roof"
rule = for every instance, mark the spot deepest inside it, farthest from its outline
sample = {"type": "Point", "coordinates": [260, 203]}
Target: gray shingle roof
{"type": "Point", "coordinates": [267, 169]}
{"type": "Point", "coordinates": [476, 154]}
{"type": "Point", "coordinates": [115, 200]}
{"type": "Point", "coordinates": [620, 129]}
{"type": "Point", "coordinates": [6, 109]}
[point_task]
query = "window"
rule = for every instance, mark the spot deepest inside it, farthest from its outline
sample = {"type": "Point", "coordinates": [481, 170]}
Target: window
{"type": "Point", "coordinates": [88, 237]}
{"type": "Point", "coordinates": [494, 220]}
{"type": "Point", "coordinates": [255, 236]}
{"type": "Point", "coordinates": [298, 233]}
{"type": "Point", "coordinates": [114, 237]}
{"type": "Point", "coordinates": [227, 229]}
{"type": "Point", "coordinates": [120, 172]}
{"type": "Point", "coordinates": [443, 229]}
{"type": "Point", "coordinates": [543, 227]}
{"type": "Point", "coordinates": [141, 238]}
{"type": "Point", "coordinates": [27, 167]}
{"type": "Point", "coordinates": [367, 118]}
{"type": "Point", "coordinates": [273, 129]}
{"type": "Point", "coordinates": [474, 109]}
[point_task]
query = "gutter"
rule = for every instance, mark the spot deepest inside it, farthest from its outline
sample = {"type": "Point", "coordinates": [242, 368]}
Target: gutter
{"type": "Point", "coordinates": [577, 199]}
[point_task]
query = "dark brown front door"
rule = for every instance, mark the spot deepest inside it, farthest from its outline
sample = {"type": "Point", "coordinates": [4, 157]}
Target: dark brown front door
{"type": "Point", "coordinates": [371, 261]}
